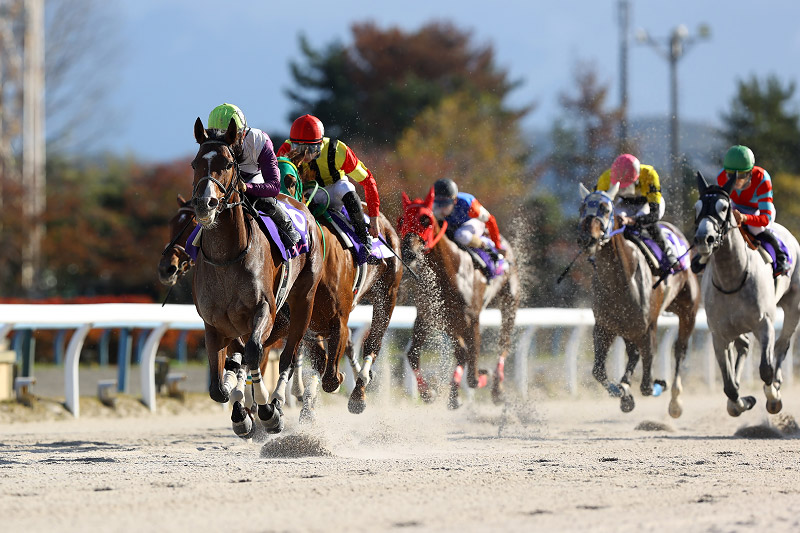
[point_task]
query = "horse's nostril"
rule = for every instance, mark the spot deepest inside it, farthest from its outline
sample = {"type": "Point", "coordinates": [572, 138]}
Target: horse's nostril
{"type": "Point", "coordinates": [212, 203]}
{"type": "Point", "coordinates": [171, 270]}
{"type": "Point", "coordinates": [709, 239]}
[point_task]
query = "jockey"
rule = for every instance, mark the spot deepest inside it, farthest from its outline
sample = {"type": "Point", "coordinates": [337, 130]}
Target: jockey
{"type": "Point", "coordinates": [258, 167]}
{"type": "Point", "coordinates": [330, 162]}
{"type": "Point", "coordinates": [639, 199]}
{"type": "Point", "coordinates": [752, 198]}
{"type": "Point", "coordinates": [465, 216]}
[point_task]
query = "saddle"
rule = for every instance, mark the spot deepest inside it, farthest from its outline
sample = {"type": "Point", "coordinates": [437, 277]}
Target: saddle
{"type": "Point", "coordinates": [338, 221]}
{"type": "Point", "coordinates": [765, 248]}
{"type": "Point", "coordinates": [656, 259]}
{"type": "Point", "coordinates": [488, 259]}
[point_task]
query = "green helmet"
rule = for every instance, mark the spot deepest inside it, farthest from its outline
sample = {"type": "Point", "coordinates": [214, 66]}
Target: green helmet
{"type": "Point", "coordinates": [221, 116]}
{"type": "Point", "coordinates": [739, 159]}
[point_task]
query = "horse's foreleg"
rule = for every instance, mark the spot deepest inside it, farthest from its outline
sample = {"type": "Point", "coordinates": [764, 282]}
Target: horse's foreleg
{"type": "Point", "coordinates": [648, 344]}
{"type": "Point", "coordinates": [791, 318]}
{"type": "Point", "coordinates": [476, 378]}
{"type": "Point", "coordinates": [418, 336]}
{"type": "Point", "coordinates": [724, 351]}
{"type": "Point", "coordinates": [381, 313]}
{"type": "Point", "coordinates": [508, 309]}
{"type": "Point", "coordinates": [455, 383]}
{"type": "Point", "coordinates": [767, 368]}
{"type": "Point", "coordinates": [685, 328]}
{"type": "Point", "coordinates": [216, 348]}
{"type": "Point", "coordinates": [602, 342]}
{"type": "Point", "coordinates": [337, 342]}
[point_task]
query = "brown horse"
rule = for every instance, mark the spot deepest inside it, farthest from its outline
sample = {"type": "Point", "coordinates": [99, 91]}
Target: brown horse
{"type": "Point", "coordinates": [238, 275]}
{"type": "Point", "coordinates": [450, 296]}
{"type": "Point", "coordinates": [336, 297]}
{"type": "Point", "coordinates": [175, 261]}
{"type": "Point", "coordinates": [625, 304]}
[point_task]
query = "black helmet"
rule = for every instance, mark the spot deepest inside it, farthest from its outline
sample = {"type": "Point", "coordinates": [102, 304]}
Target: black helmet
{"type": "Point", "coordinates": [445, 188]}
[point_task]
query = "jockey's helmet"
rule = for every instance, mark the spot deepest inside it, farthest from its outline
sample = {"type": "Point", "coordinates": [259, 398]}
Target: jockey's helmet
{"type": "Point", "coordinates": [220, 117]}
{"type": "Point", "coordinates": [307, 129]}
{"type": "Point", "coordinates": [445, 191]}
{"type": "Point", "coordinates": [739, 159]}
{"type": "Point", "coordinates": [625, 170]}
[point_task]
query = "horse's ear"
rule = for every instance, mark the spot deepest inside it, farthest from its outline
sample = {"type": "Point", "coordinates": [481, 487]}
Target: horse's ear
{"type": "Point", "coordinates": [406, 200]}
{"type": "Point", "coordinates": [230, 135]}
{"type": "Point", "coordinates": [702, 184]}
{"type": "Point", "coordinates": [200, 134]}
{"type": "Point", "coordinates": [728, 187]}
{"type": "Point", "coordinates": [583, 191]}
{"type": "Point", "coordinates": [613, 190]}
{"type": "Point", "coordinates": [181, 201]}
{"type": "Point", "coordinates": [429, 198]}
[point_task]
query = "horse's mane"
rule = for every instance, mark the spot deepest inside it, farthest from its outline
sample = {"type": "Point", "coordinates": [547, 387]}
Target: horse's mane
{"type": "Point", "coordinates": [216, 135]}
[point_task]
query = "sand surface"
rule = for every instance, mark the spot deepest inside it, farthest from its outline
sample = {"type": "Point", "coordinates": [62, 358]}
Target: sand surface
{"type": "Point", "coordinates": [545, 465]}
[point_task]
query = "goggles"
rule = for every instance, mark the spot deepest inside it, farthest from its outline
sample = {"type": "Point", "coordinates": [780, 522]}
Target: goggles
{"type": "Point", "coordinates": [443, 202]}
{"type": "Point", "coordinates": [304, 148]}
{"type": "Point", "coordinates": [738, 174]}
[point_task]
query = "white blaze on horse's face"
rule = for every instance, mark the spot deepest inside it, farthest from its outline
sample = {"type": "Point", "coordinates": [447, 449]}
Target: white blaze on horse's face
{"type": "Point", "coordinates": [208, 191]}
{"type": "Point", "coordinates": [708, 228]}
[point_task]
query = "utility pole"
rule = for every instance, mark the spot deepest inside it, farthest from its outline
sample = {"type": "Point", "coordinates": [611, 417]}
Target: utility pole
{"type": "Point", "coordinates": [677, 44]}
{"type": "Point", "coordinates": [623, 7]}
{"type": "Point", "coordinates": [33, 147]}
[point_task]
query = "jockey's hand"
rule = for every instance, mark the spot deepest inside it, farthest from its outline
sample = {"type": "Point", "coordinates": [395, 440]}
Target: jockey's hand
{"type": "Point", "coordinates": [241, 187]}
{"type": "Point", "coordinates": [373, 227]}
{"type": "Point", "coordinates": [737, 216]}
{"type": "Point", "coordinates": [627, 221]}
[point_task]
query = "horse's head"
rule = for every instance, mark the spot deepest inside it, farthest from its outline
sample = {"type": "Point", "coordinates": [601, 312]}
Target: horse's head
{"type": "Point", "coordinates": [216, 173]}
{"type": "Point", "coordinates": [596, 217]}
{"type": "Point", "coordinates": [713, 215]}
{"type": "Point", "coordinates": [418, 228]}
{"type": "Point", "coordinates": [175, 261]}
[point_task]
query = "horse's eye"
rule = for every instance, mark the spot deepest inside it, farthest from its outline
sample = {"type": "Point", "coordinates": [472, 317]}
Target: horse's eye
{"type": "Point", "coordinates": [229, 166]}
{"type": "Point", "coordinates": [603, 209]}
{"type": "Point", "coordinates": [425, 221]}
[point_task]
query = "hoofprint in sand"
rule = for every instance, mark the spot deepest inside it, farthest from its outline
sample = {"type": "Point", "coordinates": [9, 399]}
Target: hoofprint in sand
{"type": "Point", "coordinates": [548, 465]}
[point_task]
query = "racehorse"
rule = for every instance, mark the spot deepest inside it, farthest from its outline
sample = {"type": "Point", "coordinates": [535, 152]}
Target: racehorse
{"type": "Point", "coordinates": [337, 294]}
{"type": "Point", "coordinates": [239, 275]}
{"type": "Point", "coordinates": [450, 296]}
{"type": "Point", "coordinates": [175, 261]}
{"type": "Point", "coordinates": [741, 296]}
{"type": "Point", "coordinates": [625, 303]}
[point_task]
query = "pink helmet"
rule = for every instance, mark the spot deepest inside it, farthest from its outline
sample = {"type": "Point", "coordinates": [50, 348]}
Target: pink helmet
{"type": "Point", "coordinates": [625, 170]}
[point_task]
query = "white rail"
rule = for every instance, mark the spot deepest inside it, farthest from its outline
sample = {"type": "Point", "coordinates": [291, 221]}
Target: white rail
{"type": "Point", "coordinates": [158, 319]}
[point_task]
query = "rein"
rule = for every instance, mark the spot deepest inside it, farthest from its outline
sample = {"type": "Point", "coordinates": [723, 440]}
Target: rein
{"type": "Point", "coordinates": [436, 239]}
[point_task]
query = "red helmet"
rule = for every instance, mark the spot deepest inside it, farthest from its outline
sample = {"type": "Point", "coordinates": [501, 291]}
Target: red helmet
{"type": "Point", "coordinates": [307, 129]}
{"type": "Point", "coordinates": [625, 170]}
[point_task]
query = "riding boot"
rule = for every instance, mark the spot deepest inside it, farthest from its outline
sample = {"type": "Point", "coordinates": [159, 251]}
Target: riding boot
{"type": "Point", "coordinates": [657, 234]}
{"type": "Point", "coordinates": [352, 203]}
{"type": "Point", "coordinates": [781, 261]}
{"type": "Point", "coordinates": [289, 235]}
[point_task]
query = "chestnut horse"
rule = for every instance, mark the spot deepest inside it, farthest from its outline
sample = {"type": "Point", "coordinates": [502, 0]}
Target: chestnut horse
{"type": "Point", "coordinates": [625, 304]}
{"type": "Point", "coordinates": [450, 296]}
{"type": "Point", "coordinates": [335, 299]}
{"type": "Point", "coordinates": [238, 274]}
{"type": "Point", "coordinates": [175, 261]}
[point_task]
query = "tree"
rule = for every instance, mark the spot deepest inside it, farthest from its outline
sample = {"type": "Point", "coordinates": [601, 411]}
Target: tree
{"type": "Point", "coordinates": [374, 88]}
{"type": "Point", "coordinates": [469, 141]}
{"type": "Point", "coordinates": [762, 117]}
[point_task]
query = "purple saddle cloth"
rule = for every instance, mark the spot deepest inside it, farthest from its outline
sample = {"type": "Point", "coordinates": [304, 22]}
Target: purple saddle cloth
{"type": "Point", "coordinates": [299, 222]}
{"type": "Point", "coordinates": [679, 245]}
{"type": "Point", "coordinates": [771, 251]}
{"type": "Point", "coordinates": [493, 268]}
{"type": "Point", "coordinates": [379, 249]}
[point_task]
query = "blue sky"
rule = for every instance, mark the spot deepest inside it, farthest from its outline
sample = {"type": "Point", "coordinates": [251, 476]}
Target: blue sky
{"type": "Point", "coordinates": [180, 58]}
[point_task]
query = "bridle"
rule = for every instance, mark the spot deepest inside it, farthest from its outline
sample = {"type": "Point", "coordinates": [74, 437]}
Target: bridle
{"type": "Point", "coordinates": [708, 211]}
{"type": "Point", "coordinates": [186, 261]}
{"type": "Point", "coordinates": [225, 202]}
{"type": "Point", "coordinates": [594, 200]}
{"type": "Point", "coordinates": [411, 224]}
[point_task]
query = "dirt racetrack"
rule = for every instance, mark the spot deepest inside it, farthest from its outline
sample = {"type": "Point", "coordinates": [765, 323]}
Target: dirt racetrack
{"type": "Point", "coordinates": [550, 465]}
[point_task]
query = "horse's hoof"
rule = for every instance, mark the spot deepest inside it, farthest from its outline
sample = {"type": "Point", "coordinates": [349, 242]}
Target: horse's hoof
{"type": "Point", "coordinates": [242, 422]}
{"type": "Point", "coordinates": [427, 395]}
{"type": "Point", "coordinates": [613, 390]}
{"type": "Point", "coordinates": [675, 408]}
{"type": "Point", "coordinates": [271, 417]}
{"type": "Point", "coordinates": [356, 406]}
{"type": "Point", "coordinates": [747, 403]}
{"type": "Point", "coordinates": [330, 385]}
{"type": "Point", "coordinates": [774, 403]}
{"type": "Point", "coordinates": [307, 416]}
{"type": "Point", "coordinates": [627, 404]}
{"type": "Point", "coordinates": [659, 386]}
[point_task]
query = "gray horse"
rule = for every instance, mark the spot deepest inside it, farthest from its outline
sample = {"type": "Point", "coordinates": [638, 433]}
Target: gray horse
{"type": "Point", "coordinates": [625, 303]}
{"type": "Point", "coordinates": [741, 296]}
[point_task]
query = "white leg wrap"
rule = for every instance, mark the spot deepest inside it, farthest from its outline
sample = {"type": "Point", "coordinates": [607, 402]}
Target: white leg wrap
{"type": "Point", "coordinates": [310, 394]}
{"type": "Point", "coordinates": [259, 390]}
{"type": "Point", "coordinates": [297, 380]}
{"type": "Point", "coordinates": [364, 374]}
{"type": "Point", "coordinates": [229, 377]}
{"type": "Point", "coordinates": [354, 364]}
{"type": "Point", "coordinates": [280, 389]}
{"type": "Point", "coordinates": [241, 379]}
{"type": "Point", "coordinates": [248, 392]}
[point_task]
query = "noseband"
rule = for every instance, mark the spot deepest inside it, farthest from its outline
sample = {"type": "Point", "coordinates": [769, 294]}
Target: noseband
{"type": "Point", "coordinates": [709, 211]}
{"type": "Point", "coordinates": [411, 224]}
{"type": "Point", "coordinates": [592, 201]}
{"type": "Point", "coordinates": [226, 192]}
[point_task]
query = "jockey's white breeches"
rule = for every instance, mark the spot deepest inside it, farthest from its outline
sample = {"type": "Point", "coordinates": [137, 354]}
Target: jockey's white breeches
{"type": "Point", "coordinates": [463, 235]}
{"type": "Point", "coordinates": [627, 209]}
{"type": "Point", "coordinates": [335, 193]}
